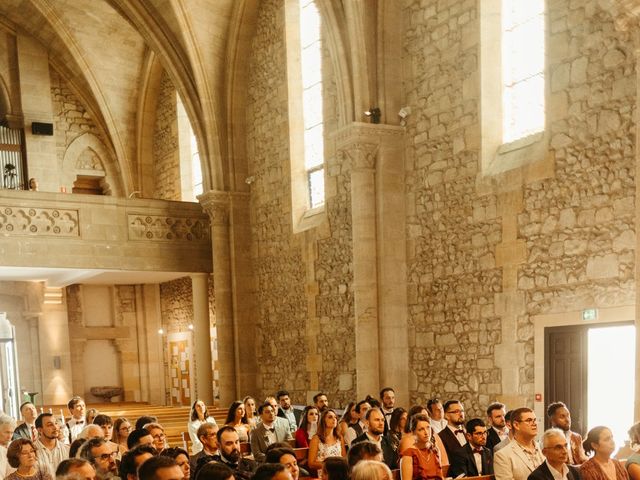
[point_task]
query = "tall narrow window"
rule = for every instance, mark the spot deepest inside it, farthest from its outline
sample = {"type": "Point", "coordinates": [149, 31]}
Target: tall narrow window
{"type": "Point", "coordinates": [523, 61]}
{"type": "Point", "coordinates": [312, 104]}
{"type": "Point", "coordinates": [196, 168]}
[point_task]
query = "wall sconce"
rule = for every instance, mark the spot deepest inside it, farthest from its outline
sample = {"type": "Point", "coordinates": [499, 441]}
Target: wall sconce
{"type": "Point", "coordinates": [190, 327]}
{"type": "Point", "coordinates": [160, 331]}
{"type": "Point", "coordinates": [374, 114]}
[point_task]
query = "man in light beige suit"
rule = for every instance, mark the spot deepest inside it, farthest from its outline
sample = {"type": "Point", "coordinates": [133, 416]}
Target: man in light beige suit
{"type": "Point", "coordinates": [522, 455]}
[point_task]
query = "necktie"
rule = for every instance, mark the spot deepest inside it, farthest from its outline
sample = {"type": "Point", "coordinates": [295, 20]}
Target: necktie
{"type": "Point", "coordinates": [34, 433]}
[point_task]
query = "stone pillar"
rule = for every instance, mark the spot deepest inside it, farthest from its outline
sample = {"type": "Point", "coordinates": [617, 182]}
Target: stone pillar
{"type": "Point", "coordinates": [379, 265]}
{"type": "Point", "coordinates": [201, 330]}
{"type": "Point", "coordinates": [35, 96]}
{"type": "Point", "coordinates": [217, 205]}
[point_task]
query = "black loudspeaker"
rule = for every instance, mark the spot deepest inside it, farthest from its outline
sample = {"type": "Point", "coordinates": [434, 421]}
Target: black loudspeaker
{"type": "Point", "coordinates": [39, 128]}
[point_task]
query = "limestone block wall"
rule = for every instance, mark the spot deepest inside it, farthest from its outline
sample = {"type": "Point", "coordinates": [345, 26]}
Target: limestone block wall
{"type": "Point", "coordinates": [305, 328]}
{"type": "Point", "coordinates": [486, 252]}
{"type": "Point", "coordinates": [166, 167]}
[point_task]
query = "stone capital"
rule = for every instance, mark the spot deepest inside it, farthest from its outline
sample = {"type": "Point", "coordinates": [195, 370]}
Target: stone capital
{"type": "Point", "coordinates": [217, 204]}
{"type": "Point", "coordinates": [360, 143]}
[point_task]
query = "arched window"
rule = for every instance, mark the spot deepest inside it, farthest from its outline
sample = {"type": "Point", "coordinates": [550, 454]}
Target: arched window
{"type": "Point", "coordinates": [306, 122]}
{"type": "Point", "coordinates": [190, 167]}
{"type": "Point", "coordinates": [513, 83]}
{"type": "Point", "coordinates": [522, 68]}
{"type": "Point", "coordinates": [312, 104]}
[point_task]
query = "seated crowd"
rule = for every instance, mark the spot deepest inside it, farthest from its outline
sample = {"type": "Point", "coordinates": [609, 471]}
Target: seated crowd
{"type": "Point", "coordinates": [275, 441]}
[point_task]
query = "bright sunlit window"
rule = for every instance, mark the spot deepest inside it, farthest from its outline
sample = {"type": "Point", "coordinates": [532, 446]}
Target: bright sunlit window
{"type": "Point", "coordinates": [523, 60]}
{"type": "Point", "coordinates": [611, 373]}
{"type": "Point", "coordinates": [196, 168]}
{"type": "Point", "coordinates": [312, 104]}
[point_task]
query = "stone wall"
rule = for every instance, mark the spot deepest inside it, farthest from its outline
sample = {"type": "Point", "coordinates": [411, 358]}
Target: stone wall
{"type": "Point", "coordinates": [305, 328]}
{"type": "Point", "coordinates": [576, 221]}
{"type": "Point", "coordinates": [165, 143]}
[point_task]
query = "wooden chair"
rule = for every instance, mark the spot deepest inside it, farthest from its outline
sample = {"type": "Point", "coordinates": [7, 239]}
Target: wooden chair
{"type": "Point", "coordinates": [185, 440]}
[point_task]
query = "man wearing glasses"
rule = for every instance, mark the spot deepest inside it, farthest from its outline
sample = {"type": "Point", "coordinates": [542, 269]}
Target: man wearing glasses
{"type": "Point", "coordinates": [521, 456]}
{"type": "Point", "coordinates": [555, 449]}
{"type": "Point", "coordinates": [453, 435]}
{"type": "Point", "coordinates": [474, 459]}
{"type": "Point", "coordinates": [101, 456]}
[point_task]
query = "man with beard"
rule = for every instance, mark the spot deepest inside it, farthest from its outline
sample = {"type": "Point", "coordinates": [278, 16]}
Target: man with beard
{"type": "Point", "coordinates": [102, 457]}
{"type": "Point", "coordinates": [388, 399]}
{"type": "Point", "coordinates": [268, 431]}
{"type": "Point", "coordinates": [498, 430]}
{"type": "Point", "coordinates": [453, 435]}
{"type": "Point", "coordinates": [49, 450]}
{"type": "Point", "coordinates": [229, 447]}
{"type": "Point", "coordinates": [287, 411]}
{"type": "Point", "coordinates": [375, 434]}
{"type": "Point", "coordinates": [474, 459]}
{"type": "Point", "coordinates": [560, 417]}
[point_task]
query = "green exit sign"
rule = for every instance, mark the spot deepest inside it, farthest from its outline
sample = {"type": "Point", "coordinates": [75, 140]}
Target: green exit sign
{"type": "Point", "coordinates": [590, 314]}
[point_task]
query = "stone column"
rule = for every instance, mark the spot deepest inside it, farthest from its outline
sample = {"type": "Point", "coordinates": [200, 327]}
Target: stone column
{"type": "Point", "coordinates": [379, 257]}
{"type": "Point", "coordinates": [202, 344]}
{"type": "Point", "coordinates": [217, 205]}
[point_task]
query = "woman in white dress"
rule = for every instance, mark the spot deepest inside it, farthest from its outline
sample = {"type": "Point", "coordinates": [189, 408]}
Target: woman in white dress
{"type": "Point", "coordinates": [327, 442]}
{"type": "Point", "coordinates": [199, 415]}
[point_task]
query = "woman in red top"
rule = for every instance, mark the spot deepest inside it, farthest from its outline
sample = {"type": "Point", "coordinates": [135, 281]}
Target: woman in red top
{"type": "Point", "coordinates": [308, 427]}
{"type": "Point", "coordinates": [601, 466]}
{"type": "Point", "coordinates": [421, 462]}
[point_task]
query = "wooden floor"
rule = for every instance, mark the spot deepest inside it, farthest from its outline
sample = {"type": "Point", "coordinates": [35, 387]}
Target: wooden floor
{"type": "Point", "coordinates": [173, 419]}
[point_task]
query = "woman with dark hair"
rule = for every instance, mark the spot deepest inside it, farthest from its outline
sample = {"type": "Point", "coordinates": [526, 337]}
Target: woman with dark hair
{"type": "Point", "coordinates": [421, 461]}
{"type": "Point", "coordinates": [349, 417]}
{"type": "Point", "coordinates": [633, 462]}
{"type": "Point", "coordinates": [308, 426]}
{"type": "Point", "coordinates": [237, 420]}
{"type": "Point", "coordinates": [214, 471]}
{"type": "Point", "coordinates": [121, 431]}
{"type": "Point", "coordinates": [327, 442]}
{"type": "Point", "coordinates": [197, 417]}
{"type": "Point", "coordinates": [335, 468]}
{"type": "Point", "coordinates": [409, 440]}
{"type": "Point", "coordinates": [250, 411]}
{"type": "Point", "coordinates": [181, 457]}
{"type": "Point", "coordinates": [601, 466]}
{"type": "Point", "coordinates": [21, 455]}
{"type": "Point", "coordinates": [397, 425]}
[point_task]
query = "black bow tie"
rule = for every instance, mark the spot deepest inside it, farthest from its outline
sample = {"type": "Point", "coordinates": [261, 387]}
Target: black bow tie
{"type": "Point", "coordinates": [477, 450]}
{"type": "Point", "coordinates": [272, 430]}
{"type": "Point", "coordinates": [459, 431]}
{"type": "Point", "coordinates": [79, 422]}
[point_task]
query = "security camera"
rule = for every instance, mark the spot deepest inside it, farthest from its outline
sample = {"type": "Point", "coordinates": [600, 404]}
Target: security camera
{"type": "Point", "coordinates": [404, 112]}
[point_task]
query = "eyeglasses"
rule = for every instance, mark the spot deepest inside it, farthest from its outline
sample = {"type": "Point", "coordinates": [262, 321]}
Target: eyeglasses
{"type": "Point", "coordinates": [530, 421]}
{"type": "Point", "coordinates": [557, 448]}
{"type": "Point", "coordinates": [455, 412]}
{"type": "Point", "coordinates": [158, 436]}
{"type": "Point", "coordinates": [106, 456]}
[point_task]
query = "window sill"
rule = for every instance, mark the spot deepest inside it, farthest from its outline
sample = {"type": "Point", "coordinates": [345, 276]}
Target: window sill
{"type": "Point", "coordinates": [517, 154]}
{"type": "Point", "coordinates": [310, 219]}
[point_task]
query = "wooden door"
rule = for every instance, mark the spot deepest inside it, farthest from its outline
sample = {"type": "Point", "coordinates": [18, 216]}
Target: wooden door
{"type": "Point", "coordinates": [566, 372]}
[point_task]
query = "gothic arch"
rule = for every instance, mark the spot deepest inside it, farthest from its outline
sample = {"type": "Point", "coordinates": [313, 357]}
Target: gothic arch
{"type": "Point", "coordinates": [79, 145]}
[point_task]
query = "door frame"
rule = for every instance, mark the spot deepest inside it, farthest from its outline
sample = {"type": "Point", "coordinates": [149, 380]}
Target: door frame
{"type": "Point", "coordinates": [610, 315]}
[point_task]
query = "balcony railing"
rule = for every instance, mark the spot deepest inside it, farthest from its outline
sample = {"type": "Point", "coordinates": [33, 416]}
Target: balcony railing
{"type": "Point", "coordinates": [12, 159]}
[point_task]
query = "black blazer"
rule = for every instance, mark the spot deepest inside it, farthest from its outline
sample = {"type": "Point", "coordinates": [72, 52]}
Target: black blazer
{"type": "Point", "coordinates": [543, 473]}
{"type": "Point", "coordinates": [464, 462]}
{"type": "Point", "coordinates": [389, 455]}
{"type": "Point", "coordinates": [492, 438]}
{"type": "Point", "coordinates": [296, 413]}
{"type": "Point", "coordinates": [450, 442]}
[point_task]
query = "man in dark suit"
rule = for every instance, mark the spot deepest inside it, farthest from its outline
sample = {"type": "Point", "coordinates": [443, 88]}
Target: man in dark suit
{"type": "Point", "coordinates": [287, 411]}
{"type": "Point", "coordinates": [555, 450]}
{"type": "Point", "coordinates": [560, 417]}
{"type": "Point", "coordinates": [229, 445]}
{"type": "Point", "coordinates": [207, 434]}
{"type": "Point", "coordinates": [497, 427]}
{"type": "Point", "coordinates": [453, 435]}
{"type": "Point", "coordinates": [474, 458]}
{"type": "Point", "coordinates": [267, 432]}
{"type": "Point", "coordinates": [375, 434]}
{"type": "Point", "coordinates": [28, 429]}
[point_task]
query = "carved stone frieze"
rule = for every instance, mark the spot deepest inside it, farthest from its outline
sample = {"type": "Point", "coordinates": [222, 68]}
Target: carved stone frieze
{"type": "Point", "coordinates": [164, 228]}
{"type": "Point", "coordinates": [217, 204]}
{"type": "Point", "coordinates": [55, 222]}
